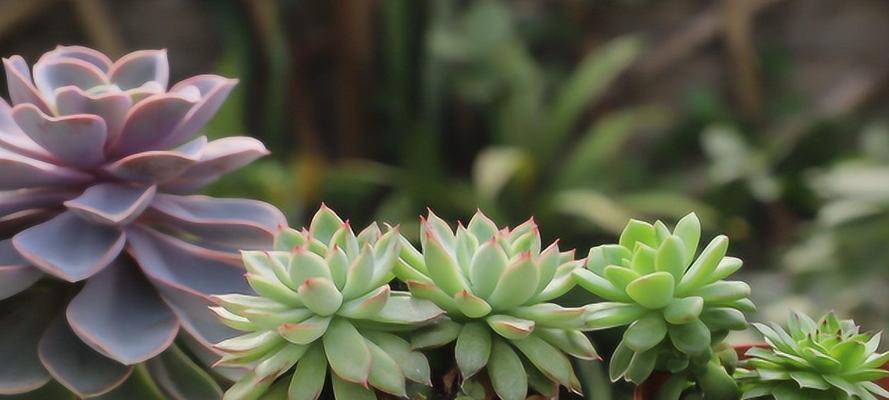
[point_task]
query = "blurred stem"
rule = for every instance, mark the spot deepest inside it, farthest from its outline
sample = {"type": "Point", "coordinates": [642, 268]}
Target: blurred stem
{"type": "Point", "coordinates": [353, 41]}
{"type": "Point", "coordinates": [273, 42]}
{"type": "Point", "coordinates": [97, 22]}
{"type": "Point", "coordinates": [737, 20]}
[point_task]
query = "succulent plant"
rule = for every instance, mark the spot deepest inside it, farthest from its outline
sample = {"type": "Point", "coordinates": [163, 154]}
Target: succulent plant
{"type": "Point", "coordinates": [676, 305]}
{"type": "Point", "coordinates": [324, 301]}
{"type": "Point", "coordinates": [829, 359]}
{"type": "Point", "coordinates": [496, 286]}
{"type": "Point", "coordinates": [96, 157]}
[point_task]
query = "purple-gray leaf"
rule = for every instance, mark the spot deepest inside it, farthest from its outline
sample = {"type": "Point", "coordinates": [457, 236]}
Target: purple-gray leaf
{"type": "Point", "coordinates": [220, 157]}
{"type": "Point", "coordinates": [75, 365]}
{"type": "Point", "coordinates": [158, 165]}
{"type": "Point", "coordinates": [248, 224]}
{"type": "Point", "coordinates": [77, 140]}
{"type": "Point", "coordinates": [213, 92]}
{"type": "Point", "coordinates": [112, 203]}
{"type": "Point", "coordinates": [15, 273]}
{"type": "Point", "coordinates": [12, 138]}
{"type": "Point", "coordinates": [69, 247]}
{"type": "Point", "coordinates": [23, 318]}
{"type": "Point", "coordinates": [150, 122]}
{"type": "Point", "coordinates": [20, 172]}
{"type": "Point", "coordinates": [18, 78]}
{"type": "Point", "coordinates": [111, 106]}
{"type": "Point", "coordinates": [169, 261]}
{"type": "Point", "coordinates": [121, 316]}
{"type": "Point", "coordinates": [180, 378]}
{"type": "Point", "coordinates": [87, 54]}
{"type": "Point", "coordinates": [51, 74]}
{"type": "Point", "coordinates": [140, 67]}
{"type": "Point", "coordinates": [26, 199]}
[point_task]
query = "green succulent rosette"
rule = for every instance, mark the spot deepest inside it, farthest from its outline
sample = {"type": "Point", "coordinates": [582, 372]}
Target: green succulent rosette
{"type": "Point", "coordinates": [675, 301]}
{"type": "Point", "coordinates": [825, 360]}
{"type": "Point", "coordinates": [496, 286]}
{"type": "Point", "coordinates": [324, 302]}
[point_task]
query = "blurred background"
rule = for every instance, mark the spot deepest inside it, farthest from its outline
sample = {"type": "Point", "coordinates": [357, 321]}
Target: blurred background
{"type": "Point", "coordinates": [766, 117]}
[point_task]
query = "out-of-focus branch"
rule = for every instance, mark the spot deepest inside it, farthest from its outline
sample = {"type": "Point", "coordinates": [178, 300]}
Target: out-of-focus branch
{"type": "Point", "coordinates": [97, 23]}
{"type": "Point", "coordinates": [16, 12]}
{"type": "Point", "coordinates": [738, 33]}
{"type": "Point", "coordinates": [353, 49]}
{"type": "Point", "coordinates": [698, 32]}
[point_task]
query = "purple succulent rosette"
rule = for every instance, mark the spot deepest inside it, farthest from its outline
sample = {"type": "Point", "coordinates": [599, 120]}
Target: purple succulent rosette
{"type": "Point", "coordinates": [96, 159]}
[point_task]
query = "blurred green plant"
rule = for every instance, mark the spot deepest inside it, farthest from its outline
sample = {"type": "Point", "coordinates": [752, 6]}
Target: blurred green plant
{"type": "Point", "coordinates": [544, 157]}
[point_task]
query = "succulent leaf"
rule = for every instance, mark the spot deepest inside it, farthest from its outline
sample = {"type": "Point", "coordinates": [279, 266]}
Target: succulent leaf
{"type": "Point", "coordinates": [828, 359]}
{"type": "Point", "coordinates": [654, 283]}
{"type": "Point", "coordinates": [336, 317]}
{"type": "Point", "coordinates": [494, 285]}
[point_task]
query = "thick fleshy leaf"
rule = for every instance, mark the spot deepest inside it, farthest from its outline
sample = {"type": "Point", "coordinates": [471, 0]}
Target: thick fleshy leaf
{"type": "Point", "coordinates": [13, 138]}
{"type": "Point", "coordinates": [213, 90]}
{"type": "Point", "coordinates": [75, 365]}
{"type": "Point", "coordinates": [437, 335]}
{"type": "Point", "coordinates": [46, 246]}
{"type": "Point", "coordinates": [552, 315]}
{"type": "Point", "coordinates": [723, 291]}
{"type": "Point", "coordinates": [413, 363]}
{"type": "Point", "coordinates": [473, 348]}
{"type": "Point", "coordinates": [89, 55]}
{"type": "Point", "coordinates": [112, 203]}
{"type": "Point", "coordinates": [652, 291]}
{"type": "Point", "coordinates": [249, 387]}
{"type": "Point", "coordinates": [671, 257]}
{"type": "Point", "coordinates": [691, 338]}
{"type": "Point", "coordinates": [279, 362]}
{"type": "Point", "coordinates": [309, 376]}
{"type": "Point", "coordinates": [15, 273]}
{"type": "Point", "coordinates": [360, 274]}
{"type": "Point", "coordinates": [646, 333]}
{"type": "Point", "coordinates": [507, 373]}
{"type": "Point", "coordinates": [641, 366]}
{"type": "Point", "coordinates": [685, 310]}
{"type": "Point", "coordinates": [305, 332]}
{"type": "Point", "coordinates": [548, 359]}
{"type": "Point", "coordinates": [704, 266]}
{"type": "Point", "coordinates": [180, 378]}
{"type": "Point", "coordinates": [23, 318]}
{"type": "Point", "coordinates": [51, 74]}
{"type": "Point", "coordinates": [367, 306]}
{"type": "Point", "coordinates": [220, 157]}
{"type": "Point", "coordinates": [599, 286]}
{"type": "Point", "coordinates": [77, 140]}
{"type": "Point", "coordinates": [247, 224]}
{"type": "Point", "coordinates": [110, 106]}
{"type": "Point", "coordinates": [689, 230]}
{"type": "Point", "coordinates": [638, 232]}
{"type": "Point", "coordinates": [610, 315]}
{"type": "Point", "coordinates": [150, 123]}
{"type": "Point", "coordinates": [120, 315]}
{"type": "Point", "coordinates": [620, 277]}
{"type": "Point", "coordinates": [571, 342]}
{"type": "Point", "coordinates": [443, 268]}
{"type": "Point", "coordinates": [157, 166]}
{"type": "Point", "coordinates": [510, 327]}
{"type": "Point", "coordinates": [406, 310]}
{"type": "Point", "coordinates": [385, 372]}
{"type": "Point", "coordinates": [140, 67]}
{"type": "Point", "coordinates": [471, 305]}
{"type": "Point", "coordinates": [18, 78]}
{"type": "Point", "coordinates": [321, 296]}
{"type": "Point", "coordinates": [20, 172]}
{"type": "Point", "coordinates": [347, 351]}
{"type": "Point", "coordinates": [346, 390]}
{"type": "Point", "coordinates": [517, 284]}
{"type": "Point", "coordinates": [186, 275]}
{"type": "Point", "coordinates": [27, 199]}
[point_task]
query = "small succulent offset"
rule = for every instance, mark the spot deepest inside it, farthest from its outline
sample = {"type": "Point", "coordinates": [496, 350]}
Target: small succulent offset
{"type": "Point", "coordinates": [496, 286]}
{"type": "Point", "coordinates": [677, 306]}
{"type": "Point", "coordinates": [829, 359]}
{"type": "Point", "coordinates": [324, 301]}
{"type": "Point", "coordinates": [95, 158]}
